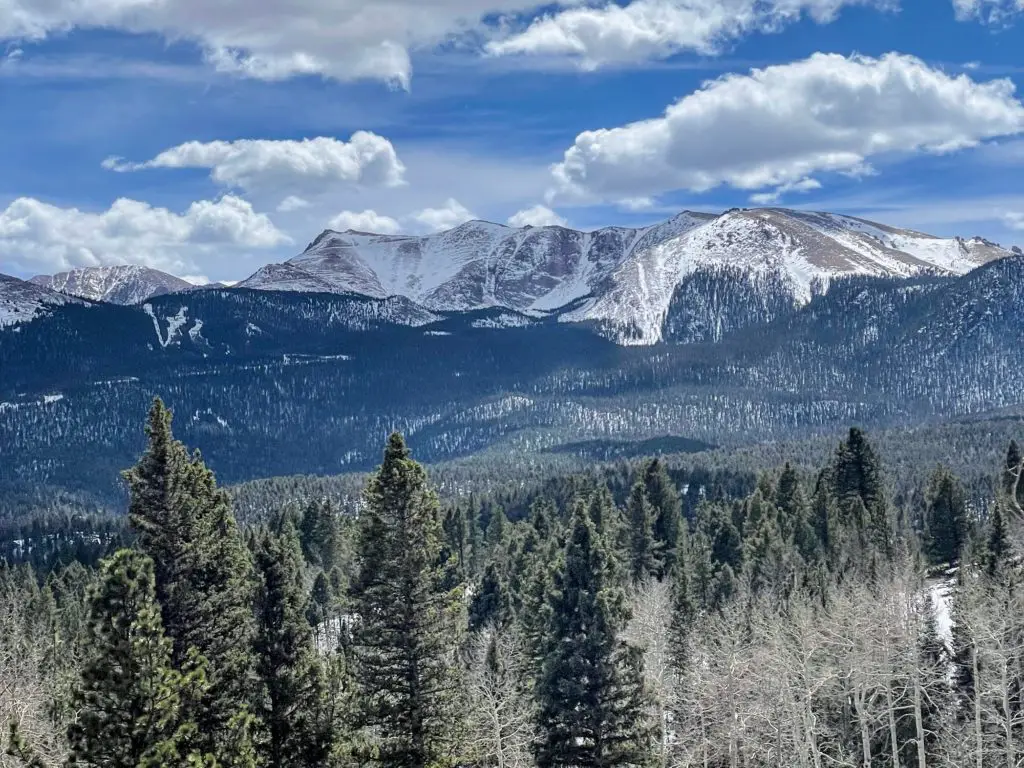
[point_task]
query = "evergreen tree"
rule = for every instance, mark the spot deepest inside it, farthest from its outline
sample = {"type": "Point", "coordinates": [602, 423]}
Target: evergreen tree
{"type": "Point", "coordinates": [203, 579]}
{"type": "Point", "coordinates": [592, 701]}
{"type": "Point", "coordinates": [129, 698]}
{"type": "Point", "coordinates": [642, 558]}
{"type": "Point", "coordinates": [859, 490]}
{"type": "Point", "coordinates": [288, 665]}
{"type": "Point", "coordinates": [319, 535]}
{"type": "Point", "coordinates": [680, 628]}
{"type": "Point", "coordinates": [406, 638]}
{"type": "Point", "coordinates": [491, 604]}
{"type": "Point", "coordinates": [999, 548]}
{"type": "Point", "coordinates": [668, 515]}
{"type": "Point", "coordinates": [946, 517]}
{"type": "Point", "coordinates": [1013, 487]}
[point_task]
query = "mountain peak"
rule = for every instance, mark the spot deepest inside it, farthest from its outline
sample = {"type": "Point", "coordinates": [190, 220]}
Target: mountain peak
{"type": "Point", "coordinates": [116, 284]}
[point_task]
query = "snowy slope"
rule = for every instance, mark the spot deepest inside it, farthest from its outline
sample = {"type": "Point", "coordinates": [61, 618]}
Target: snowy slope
{"type": "Point", "coordinates": [121, 284]}
{"type": "Point", "coordinates": [20, 301]}
{"type": "Point", "coordinates": [617, 277]}
{"type": "Point", "coordinates": [796, 249]}
{"type": "Point", "coordinates": [475, 265]}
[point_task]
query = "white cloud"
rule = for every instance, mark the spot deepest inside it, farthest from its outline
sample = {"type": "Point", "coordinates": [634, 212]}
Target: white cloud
{"type": "Point", "coordinates": [37, 236]}
{"type": "Point", "coordinates": [438, 219]}
{"type": "Point", "coordinates": [1014, 220]}
{"type": "Point", "coordinates": [365, 221]}
{"type": "Point", "coordinates": [275, 39]}
{"type": "Point", "coordinates": [309, 164]}
{"type": "Point", "coordinates": [771, 198]}
{"type": "Point", "coordinates": [375, 39]}
{"type": "Point", "coordinates": [537, 216]}
{"type": "Point", "coordinates": [636, 204]}
{"type": "Point", "coordinates": [996, 12]}
{"type": "Point", "coordinates": [596, 36]}
{"type": "Point", "coordinates": [777, 125]}
{"type": "Point", "coordinates": [292, 203]}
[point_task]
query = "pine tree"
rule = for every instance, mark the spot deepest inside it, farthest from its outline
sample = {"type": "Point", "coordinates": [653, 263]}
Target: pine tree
{"type": "Point", "coordinates": [129, 698]}
{"type": "Point", "coordinates": [642, 558]}
{"type": "Point", "coordinates": [857, 477]}
{"type": "Point", "coordinates": [946, 517]}
{"type": "Point", "coordinates": [203, 579]}
{"type": "Point", "coordinates": [668, 515]}
{"type": "Point", "coordinates": [592, 701]}
{"type": "Point", "coordinates": [999, 549]}
{"type": "Point", "coordinates": [1013, 485]}
{"type": "Point", "coordinates": [684, 612]}
{"type": "Point", "coordinates": [318, 533]}
{"type": "Point", "coordinates": [406, 638]}
{"type": "Point", "coordinates": [491, 603]}
{"type": "Point", "coordinates": [288, 665]}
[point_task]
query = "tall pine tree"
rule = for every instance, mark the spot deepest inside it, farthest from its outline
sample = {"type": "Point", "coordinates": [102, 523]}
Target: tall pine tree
{"type": "Point", "coordinates": [292, 706]}
{"type": "Point", "coordinates": [946, 518]}
{"type": "Point", "coordinates": [129, 699]}
{"type": "Point", "coordinates": [203, 577]}
{"type": "Point", "coordinates": [668, 515]}
{"type": "Point", "coordinates": [409, 625]}
{"type": "Point", "coordinates": [593, 708]}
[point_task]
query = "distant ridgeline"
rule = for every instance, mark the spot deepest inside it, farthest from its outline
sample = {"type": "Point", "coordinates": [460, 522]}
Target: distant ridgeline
{"type": "Point", "coordinates": [270, 383]}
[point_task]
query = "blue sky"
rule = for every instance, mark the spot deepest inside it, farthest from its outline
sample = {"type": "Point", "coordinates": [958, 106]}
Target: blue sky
{"type": "Point", "coordinates": [208, 138]}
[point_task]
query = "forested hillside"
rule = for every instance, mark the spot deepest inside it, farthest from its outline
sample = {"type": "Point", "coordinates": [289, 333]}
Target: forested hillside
{"type": "Point", "coordinates": [269, 384]}
{"type": "Point", "coordinates": [634, 614]}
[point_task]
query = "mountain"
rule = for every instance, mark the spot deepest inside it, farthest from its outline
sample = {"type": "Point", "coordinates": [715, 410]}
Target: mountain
{"type": "Point", "coordinates": [268, 383]}
{"type": "Point", "coordinates": [21, 301]}
{"type": "Point", "coordinates": [119, 284]}
{"type": "Point", "coordinates": [619, 279]}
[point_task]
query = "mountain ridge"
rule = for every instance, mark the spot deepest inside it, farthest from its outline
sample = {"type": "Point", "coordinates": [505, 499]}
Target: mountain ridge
{"type": "Point", "coordinates": [621, 279]}
{"type": "Point", "coordinates": [116, 284]}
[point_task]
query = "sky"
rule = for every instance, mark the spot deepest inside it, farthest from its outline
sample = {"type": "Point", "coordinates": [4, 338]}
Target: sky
{"type": "Point", "coordinates": [209, 137]}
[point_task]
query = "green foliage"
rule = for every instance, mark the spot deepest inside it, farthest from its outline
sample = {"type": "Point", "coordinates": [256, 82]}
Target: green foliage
{"type": "Point", "coordinates": [946, 519]}
{"type": "Point", "coordinates": [129, 701]}
{"type": "Point", "coordinates": [288, 665]}
{"type": "Point", "coordinates": [203, 577]}
{"type": "Point", "coordinates": [592, 699]}
{"type": "Point", "coordinates": [406, 637]}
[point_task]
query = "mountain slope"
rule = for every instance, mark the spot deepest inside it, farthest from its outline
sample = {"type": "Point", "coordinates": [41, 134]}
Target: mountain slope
{"type": "Point", "coordinates": [21, 301]}
{"type": "Point", "coordinates": [119, 284]}
{"type": "Point", "coordinates": [620, 279]}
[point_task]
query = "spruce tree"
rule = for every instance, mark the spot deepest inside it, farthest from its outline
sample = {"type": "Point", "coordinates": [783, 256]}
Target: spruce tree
{"type": "Point", "coordinates": [409, 626]}
{"type": "Point", "coordinates": [668, 515]}
{"type": "Point", "coordinates": [592, 701]}
{"type": "Point", "coordinates": [288, 665]}
{"type": "Point", "coordinates": [859, 490]}
{"type": "Point", "coordinates": [1013, 486]}
{"type": "Point", "coordinates": [642, 556]}
{"type": "Point", "coordinates": [946, 517]}
{"type": "Point", "coordinates": [203, 579]}
{"type": "Point", "coordinates": [491, 603]}
{"type": "Point", "coordinates": [129, 698]}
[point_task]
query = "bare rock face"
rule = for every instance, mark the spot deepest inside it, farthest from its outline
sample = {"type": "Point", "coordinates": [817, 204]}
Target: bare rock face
{"type": "Point", "coordinates": [20, 300]}
{"type": "Point", "coordinates": [622, 280]}
{"type": "Point", "coordinates": [120, 284]}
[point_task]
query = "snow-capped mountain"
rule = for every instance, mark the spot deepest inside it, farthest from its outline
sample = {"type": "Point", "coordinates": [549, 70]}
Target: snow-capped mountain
{"type": "Point", "coordinates": [20, 301]}
{"type": "Point", "coordinates": [119, 284]}
{"type": "Point", "coordinates": [619, 278]}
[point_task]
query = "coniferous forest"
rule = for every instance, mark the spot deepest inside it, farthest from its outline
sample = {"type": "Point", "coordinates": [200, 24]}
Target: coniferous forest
{"type": "Point", "coordinates": [640, 617]}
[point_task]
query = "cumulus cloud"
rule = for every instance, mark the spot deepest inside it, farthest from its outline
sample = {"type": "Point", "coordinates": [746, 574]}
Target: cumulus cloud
{"type": "Point", "coordinates": [357, 39]}
{"type": "Point", "coordinates": [636, 204]}
{"type": "Point", "coordinates": [309, 164]}
{"type": "Point", "coordinates": [770, 198]}
{"type": "Point", "coordinates": [778, 125]}
{"type": "Point", "coordinates": [275, 39]}
{"type": "Point", "coordinates": [450, 215]}
{"type": "Point", "coordinates": [655, 29]}
{"type": "Point", "coordinates": [38, 236]}
{"type": "Point", "coordinates": [537, 216]}
{"type": "Point", "coordinates": [996, 12]}
{"type": "Point", "coordinates": [292, 203]}
{"type": "Point", "coordinates": [365, 221]}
